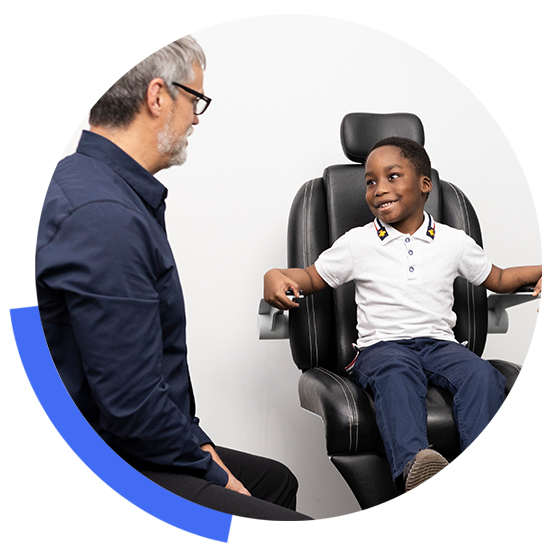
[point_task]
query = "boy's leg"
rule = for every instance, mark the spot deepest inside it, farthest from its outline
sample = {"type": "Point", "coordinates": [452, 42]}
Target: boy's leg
{"type": "Point", "coordinates": [393, 373]}
{"type": "Point", "coordinates": [476, 386]}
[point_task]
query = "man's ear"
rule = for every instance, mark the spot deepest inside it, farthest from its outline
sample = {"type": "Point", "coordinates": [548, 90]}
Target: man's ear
{"type": "Point", "coordinates": [156, 97]}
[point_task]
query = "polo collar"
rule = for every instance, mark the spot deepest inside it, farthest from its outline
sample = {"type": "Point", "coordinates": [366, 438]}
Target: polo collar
{"type": "Point", "coordinates": [429, 227]}
{"type": "Point", "coordinates": [387, 233]}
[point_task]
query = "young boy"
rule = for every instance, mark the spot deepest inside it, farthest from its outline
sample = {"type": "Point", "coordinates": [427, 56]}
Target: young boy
{"type": "Point", "coordinates": [404, 266]}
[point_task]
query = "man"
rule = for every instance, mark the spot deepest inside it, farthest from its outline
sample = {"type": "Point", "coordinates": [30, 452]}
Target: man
{"type": "Point", "coordinates": [110, 299]}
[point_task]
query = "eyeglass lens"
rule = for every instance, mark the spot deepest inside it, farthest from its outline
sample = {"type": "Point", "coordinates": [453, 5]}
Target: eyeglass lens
{"type": "Point", "coordinates": [200, 106]}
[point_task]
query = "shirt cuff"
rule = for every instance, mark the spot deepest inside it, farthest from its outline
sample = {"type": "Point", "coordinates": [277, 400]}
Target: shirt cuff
{"type": "Point", "coordinates": [484, 274]}
{"type": "Point", "coordinates": [324, 275]}
{"type": "Point", "coordinates": [216, 474]}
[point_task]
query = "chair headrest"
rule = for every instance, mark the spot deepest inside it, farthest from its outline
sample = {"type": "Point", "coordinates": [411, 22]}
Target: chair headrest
{"type": "Point", "coordinates": [359, 132]}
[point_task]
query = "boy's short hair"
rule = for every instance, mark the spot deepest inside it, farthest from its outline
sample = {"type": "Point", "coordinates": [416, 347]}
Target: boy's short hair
{"type": "Point", "coordinates": [412, 151]}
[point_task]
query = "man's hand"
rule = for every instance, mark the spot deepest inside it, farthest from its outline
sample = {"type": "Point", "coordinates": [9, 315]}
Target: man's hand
{"type": "Point", "coordinates": [233, 484]}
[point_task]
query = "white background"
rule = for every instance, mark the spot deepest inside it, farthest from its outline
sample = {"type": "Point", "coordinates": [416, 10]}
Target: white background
{"type": "Point", "coordinates": [246, 161]}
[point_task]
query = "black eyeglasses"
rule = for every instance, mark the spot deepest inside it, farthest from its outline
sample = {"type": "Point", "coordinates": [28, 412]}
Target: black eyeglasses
{"type": "Point", "coordinates": [201, 104]}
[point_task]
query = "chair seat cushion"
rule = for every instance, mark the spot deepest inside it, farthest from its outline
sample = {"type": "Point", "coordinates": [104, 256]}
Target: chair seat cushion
{"type": "Point", "coordinates": [348, 413]}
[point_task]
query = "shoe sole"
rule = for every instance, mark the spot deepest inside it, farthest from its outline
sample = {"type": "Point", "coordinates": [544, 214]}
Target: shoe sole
{"type": "Point", "coordinates": [498, 510]}
{"type": "Point", "coordinates": [426, 487]}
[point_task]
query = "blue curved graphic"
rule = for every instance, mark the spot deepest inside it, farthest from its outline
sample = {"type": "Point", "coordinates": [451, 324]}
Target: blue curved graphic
{"type": "Point", "coordinates": [98, 456]}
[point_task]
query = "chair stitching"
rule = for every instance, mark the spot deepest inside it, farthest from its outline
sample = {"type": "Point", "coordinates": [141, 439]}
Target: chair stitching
{"type": "Point", "coordinates": [472, 324]}
{"type": "Point", "coordinates": [305, 232]}
{"type": "Point", "coordinates": [352, 409]}
{"type": "Point", "coordinates": [309, 260]}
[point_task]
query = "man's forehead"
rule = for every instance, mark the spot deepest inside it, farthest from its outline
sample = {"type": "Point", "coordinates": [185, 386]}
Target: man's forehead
{"type": "Point", "coordinates": [199, 77]}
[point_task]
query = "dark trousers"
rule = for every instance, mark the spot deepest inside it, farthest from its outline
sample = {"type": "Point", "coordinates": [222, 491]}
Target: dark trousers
{"type": "Point", "coordinates": [272, 485]}
{"type": "Point", "coordinates": [398, 374]}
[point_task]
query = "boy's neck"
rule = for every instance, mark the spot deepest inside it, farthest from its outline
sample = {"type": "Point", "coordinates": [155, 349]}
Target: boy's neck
{"type": "Point", "coordinates": [411, 226]}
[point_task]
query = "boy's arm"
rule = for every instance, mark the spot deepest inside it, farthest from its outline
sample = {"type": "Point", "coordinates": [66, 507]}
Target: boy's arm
{"type": "Point", "coordinates": [510, 279]}
{"type": "Point", "coordinates": [536, 292]}
{"type": "Point", "coordinates": [278, 281]}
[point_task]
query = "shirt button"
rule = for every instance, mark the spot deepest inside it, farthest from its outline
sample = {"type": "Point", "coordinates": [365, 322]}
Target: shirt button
{"type": "Point", "coordinates": [411, 269]}
{"type": "Point", "coordinates": [410, 252]}
{"type": "Point", "coordinates": [407, 240]}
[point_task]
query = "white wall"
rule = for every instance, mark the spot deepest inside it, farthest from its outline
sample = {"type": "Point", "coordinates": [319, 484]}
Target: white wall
{"type": "Point", "coordinates": [280, 87]}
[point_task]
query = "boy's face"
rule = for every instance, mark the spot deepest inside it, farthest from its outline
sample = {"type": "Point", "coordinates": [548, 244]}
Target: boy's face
{"type": "Point", "coordinates": [395, 192]}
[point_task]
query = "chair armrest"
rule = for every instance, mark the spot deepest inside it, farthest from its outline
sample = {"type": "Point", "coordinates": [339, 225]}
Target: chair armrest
{"type": "Point", "coordinates": [497, 305]}
{"type": "Point", "coordinates": [346, 409]}
{"type": "Point", "coordinates": [272, 322]}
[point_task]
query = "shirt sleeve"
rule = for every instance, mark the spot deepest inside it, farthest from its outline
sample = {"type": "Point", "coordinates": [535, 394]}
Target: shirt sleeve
{"type": "Point", "coordinates": [109, 286]}
{"type": "Point", "coordinates": [335, 265]}
{"type": "Point", "coordinates": [474, 264]}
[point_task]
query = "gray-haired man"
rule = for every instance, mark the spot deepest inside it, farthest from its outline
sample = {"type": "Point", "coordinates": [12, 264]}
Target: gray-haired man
{"type": "Point", "coordinates": [110, 299]}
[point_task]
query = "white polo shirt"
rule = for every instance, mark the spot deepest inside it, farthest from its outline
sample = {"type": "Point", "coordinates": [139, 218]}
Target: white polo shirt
{"type": "Point", "coordinates": [403, 283]}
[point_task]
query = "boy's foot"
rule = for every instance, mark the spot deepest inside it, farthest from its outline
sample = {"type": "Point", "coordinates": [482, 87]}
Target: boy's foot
{"type": "Point", "coordinates": [481, 502]}
{"type": "Point", "coordinates": [426, 479]}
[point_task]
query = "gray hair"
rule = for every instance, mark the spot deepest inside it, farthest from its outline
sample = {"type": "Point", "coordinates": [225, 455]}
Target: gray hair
{"type": "Point", "coordinates": [123, 100]}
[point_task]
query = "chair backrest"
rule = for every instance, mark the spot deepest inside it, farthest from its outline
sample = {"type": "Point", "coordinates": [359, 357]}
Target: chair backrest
{"type": "Point", "coordinates": [323, 329]}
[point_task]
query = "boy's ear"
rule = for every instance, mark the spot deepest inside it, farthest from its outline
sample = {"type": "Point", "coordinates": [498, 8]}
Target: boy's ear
{"type": "Point", "coordinates": [427, 185]}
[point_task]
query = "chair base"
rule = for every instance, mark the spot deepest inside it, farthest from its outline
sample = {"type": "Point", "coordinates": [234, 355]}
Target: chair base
{"type": "Point", "coordinates": [369, 478]}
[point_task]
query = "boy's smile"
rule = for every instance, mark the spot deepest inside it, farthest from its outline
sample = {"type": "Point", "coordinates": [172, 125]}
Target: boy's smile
{"type": "Point", "coordinates": [396, 194]}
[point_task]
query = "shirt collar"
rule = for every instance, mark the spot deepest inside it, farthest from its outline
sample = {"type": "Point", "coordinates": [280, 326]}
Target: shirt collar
{"type": "Point", "coordinates": [425, 232]}
{"type": "Point", "coordinates": [138, 178]}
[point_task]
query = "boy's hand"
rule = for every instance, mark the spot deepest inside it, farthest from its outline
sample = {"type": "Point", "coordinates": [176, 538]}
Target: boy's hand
{"type": "Point", "coordinates": [275, 286]}
{"type": "Point", "coordinates": [537, 291]}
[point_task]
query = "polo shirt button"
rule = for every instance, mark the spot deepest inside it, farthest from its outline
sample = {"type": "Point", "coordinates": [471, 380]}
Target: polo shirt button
{"type": "Point", "coordinates": [407, 240]}
{"type": "Point", "coordinates": [410, 252]}
{"type": "Point", "coordinates": [411, 269]}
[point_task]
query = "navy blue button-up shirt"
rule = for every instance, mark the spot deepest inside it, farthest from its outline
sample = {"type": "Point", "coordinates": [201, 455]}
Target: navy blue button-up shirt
{"type": "Point", "coordinates": [112, 308]}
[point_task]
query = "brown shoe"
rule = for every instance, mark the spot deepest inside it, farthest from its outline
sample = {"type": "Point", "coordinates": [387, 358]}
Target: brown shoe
{"type": "Point", "coordinates": [427, 477]}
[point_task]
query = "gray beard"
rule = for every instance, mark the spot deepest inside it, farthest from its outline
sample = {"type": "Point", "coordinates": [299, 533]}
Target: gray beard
{"type": "Point", "coordinates": [174, 147]}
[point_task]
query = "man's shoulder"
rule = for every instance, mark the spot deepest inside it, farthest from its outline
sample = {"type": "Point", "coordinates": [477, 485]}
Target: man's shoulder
{"type": "Point", "coordinates": [86, 191]}
{"type": "Point", "coordinates": [80, 182]}
{"type": "Point", "coordinates": [82, 179]}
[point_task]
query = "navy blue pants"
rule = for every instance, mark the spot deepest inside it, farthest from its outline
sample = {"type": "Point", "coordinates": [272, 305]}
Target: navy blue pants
{"type": "Point", "coordinates": [398, 373]}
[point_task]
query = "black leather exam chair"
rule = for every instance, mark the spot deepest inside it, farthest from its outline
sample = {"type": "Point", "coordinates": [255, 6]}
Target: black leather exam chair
{"type": "Point", "coordinates": [323, 328]}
